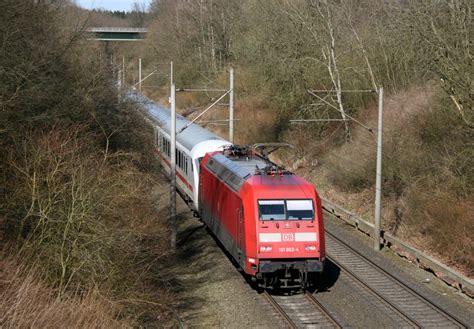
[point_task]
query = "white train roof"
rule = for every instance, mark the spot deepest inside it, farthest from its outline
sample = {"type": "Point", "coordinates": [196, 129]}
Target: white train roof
{"type": "Point", "coordinates": [189, 138]}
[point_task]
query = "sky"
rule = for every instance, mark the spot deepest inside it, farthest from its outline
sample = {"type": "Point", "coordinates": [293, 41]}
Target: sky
{"type": "Point", "coordinates": [123, 5]}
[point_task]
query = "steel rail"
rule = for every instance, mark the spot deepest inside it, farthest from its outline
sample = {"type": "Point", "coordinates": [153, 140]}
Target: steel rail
{"type": "Point", "coordinates": [448, 275]}
{"type": "Point", "coordinates": [279, 310]}
{"type": "Point", "coordinates": [394, 279]}
{"type": "Point", "coordinates": [322, 309]}
{"type": "Point", "coordinates": [312, 307]}
{"type": "Point", "coordinates": [375, 293]}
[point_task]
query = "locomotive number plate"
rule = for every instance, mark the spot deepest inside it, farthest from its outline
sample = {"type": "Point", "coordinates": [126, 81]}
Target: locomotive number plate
{"type": "Point", "coordinates": [288, 249]}
{"type": "Point", "coordinates": [288, 237]}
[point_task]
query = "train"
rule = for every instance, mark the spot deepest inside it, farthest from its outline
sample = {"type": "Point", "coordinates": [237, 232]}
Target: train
{"type": "Point", "coordinates": [269, 220]}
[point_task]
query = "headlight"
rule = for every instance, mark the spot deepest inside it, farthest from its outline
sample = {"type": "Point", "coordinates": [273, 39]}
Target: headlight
{"type": "Point", "coordinates": [310, 248]}
{"type": "Point", "coordinates": [265, 248]}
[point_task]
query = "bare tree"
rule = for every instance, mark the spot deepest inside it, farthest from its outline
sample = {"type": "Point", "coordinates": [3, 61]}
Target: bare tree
{"type": "Point", "coordinates": [445, 30]}
{"type": "Point", "coordinates": [327, 43]}
{"type": "Point", "coordinates": [329, 54]}
{"type": "Point", "coordinates": [347, 10]}
{"type": "Point", "coordinates": [138, 14]}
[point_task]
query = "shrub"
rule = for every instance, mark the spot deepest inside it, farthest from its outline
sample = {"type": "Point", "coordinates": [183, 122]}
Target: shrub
{"type": "Point", "coordinates": [78, 177]}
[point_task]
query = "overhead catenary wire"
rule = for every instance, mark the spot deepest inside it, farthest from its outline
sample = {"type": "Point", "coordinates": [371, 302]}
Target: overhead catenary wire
{"type": "Point", "coordinates": [344, 91]}
{"type": "Point", "coordinates": [229, 91]}
{"type": "Point", "coordinates": [140, 81]}
{"type": "Point", "coordinates": [316, 120]}
{"type": "Point", "coordinates": [370, 130]}
{"type": "Point", "coordinates": [223, 120]}
{"type": "Point", "coordinates": [203, 112]}
{"type": "Point", "coordinates": [200, 89]}
{"type": "Point", "coordinates": [379, 146]}
{"type": "Point", "coordinates": [214, 124]}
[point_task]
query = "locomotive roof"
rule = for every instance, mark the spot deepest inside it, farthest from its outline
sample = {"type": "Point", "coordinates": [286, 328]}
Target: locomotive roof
{"type": "Point", "coordinates": [236, 170]}
{"type": "Point", "coordinates": [189, 138]}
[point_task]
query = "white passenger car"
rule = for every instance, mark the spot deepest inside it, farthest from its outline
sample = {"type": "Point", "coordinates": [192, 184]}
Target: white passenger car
{"type": "Point", "coordinates": [191, 146]}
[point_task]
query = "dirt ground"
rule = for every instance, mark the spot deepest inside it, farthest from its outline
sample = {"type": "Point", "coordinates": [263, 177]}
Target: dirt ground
{"type": "Point", "coordinates": [212, 291]}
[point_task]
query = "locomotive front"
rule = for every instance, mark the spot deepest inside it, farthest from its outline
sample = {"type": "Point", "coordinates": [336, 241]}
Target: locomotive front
{"type": "Point", "coordinates": [288, 250]}
{"type": "Point", "coordinates": [268, 219]}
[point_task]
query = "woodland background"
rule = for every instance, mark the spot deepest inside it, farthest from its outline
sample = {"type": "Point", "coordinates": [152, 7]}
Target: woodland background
{"type": "Point", "coordinates": [82, 212]}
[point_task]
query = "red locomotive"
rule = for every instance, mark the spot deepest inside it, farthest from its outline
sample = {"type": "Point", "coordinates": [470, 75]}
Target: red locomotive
{"type": "Point", "coordinates": [267, 218]}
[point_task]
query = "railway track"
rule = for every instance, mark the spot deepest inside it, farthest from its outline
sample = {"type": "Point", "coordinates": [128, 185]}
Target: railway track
{"type": "Point", "coordinates": [399, 299]}
{"type": "Point", "coordinates": [301, 311]}
{"type": "Point", "coordinates": [404, 306]}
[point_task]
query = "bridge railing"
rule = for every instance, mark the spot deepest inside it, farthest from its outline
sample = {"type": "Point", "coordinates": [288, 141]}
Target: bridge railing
{"type": "Point", "coordinates": [117, 30]}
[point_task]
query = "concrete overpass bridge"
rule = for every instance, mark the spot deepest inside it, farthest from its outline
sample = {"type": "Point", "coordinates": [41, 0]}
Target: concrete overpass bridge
{"type": "Point", "coordinates": [117, 33]}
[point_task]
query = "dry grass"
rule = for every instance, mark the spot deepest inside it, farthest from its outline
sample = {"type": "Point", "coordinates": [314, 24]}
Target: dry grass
{"type": "Point", "coordinates": [256, 121]}
{"type": "Point", "coordinates": [26, 302]}
{"type": "Point", "coordinates": [352, 165]}
{"type": "Point", "coordinates": [441, 223]}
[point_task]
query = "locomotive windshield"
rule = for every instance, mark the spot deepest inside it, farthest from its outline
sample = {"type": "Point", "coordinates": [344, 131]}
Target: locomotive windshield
{"type": "Point", "coordinates": [286, 209]}
{"type": "Point", "coordinates": [272, 209]}
{"type": "Point", "coordinates": [299, 209]}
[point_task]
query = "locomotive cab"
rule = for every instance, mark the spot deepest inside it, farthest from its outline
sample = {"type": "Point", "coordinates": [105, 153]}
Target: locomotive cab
{"type": "Point", "coordinates": [289, 242]}
{"type": "Point", "coordinates": [269, 220]}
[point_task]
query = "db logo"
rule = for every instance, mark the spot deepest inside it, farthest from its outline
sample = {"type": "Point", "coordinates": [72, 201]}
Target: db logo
{"type": "Point", "coordinates": [288, 237]}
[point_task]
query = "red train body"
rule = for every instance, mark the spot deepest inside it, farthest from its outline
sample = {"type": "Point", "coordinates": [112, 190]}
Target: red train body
{"type": "Point", "coordinates": [269, 220]}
